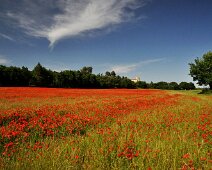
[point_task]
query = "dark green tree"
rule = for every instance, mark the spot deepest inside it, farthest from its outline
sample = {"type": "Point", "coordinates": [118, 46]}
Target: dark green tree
{"type": "Point", "coordinates": [66, 79]}
{"type": "Point", "coordinates": [173, 86]}
{"type": "Point", "coordinates": [141, 84]}
{"type": "Point", "coordinates": [201, 70]}
{"type": "Point", "coordinates": [191, 86]}
{"type": "Point", "coordinates": [41, 76]}
{"type": "Point", "coordinates": [4, 77]}
{"type": "Point", "coordinates": [113, 73]}
{"type": "Point", "coordinates": [86, 70]}
{"type": "Point", "coordinates": [107, 73]}
{"type": "Point", "coordinates": [151, 85]}
{"type": "Point", "coordinates": [161, 85]}
{"type": "Point", "coordinates": [26, 76]}
{"type": "Point", "coordinates": [186, 86]}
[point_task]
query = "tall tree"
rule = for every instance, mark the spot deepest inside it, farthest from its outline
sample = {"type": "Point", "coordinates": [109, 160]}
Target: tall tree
{"type": "Point", "coordinates": [86, 70]}
{"type": "Point", "coordinates": [174, 86]}
{"type": "Point", "coordinates": [3, 75]}
{"type": "Point", "coordinates": [201, 70]}
{"type": "Point", "coordinates": [113, 73]}
{"type": "Point", "coordinates": [141, 84]}
{"type": "Point", "coordinates": [107, 73]}
{"type": "Point", "coordinates": [41, 76]}
{"type": "Point", "coordinates": [26, 76]}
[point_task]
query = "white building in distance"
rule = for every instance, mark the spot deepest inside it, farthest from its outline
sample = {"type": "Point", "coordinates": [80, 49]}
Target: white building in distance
{"type": "Point", "coordinates": [136, 79]}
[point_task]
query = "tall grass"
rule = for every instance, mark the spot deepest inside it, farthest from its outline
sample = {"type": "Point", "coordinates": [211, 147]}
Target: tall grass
{"type": "Point", "coordinates": [128, 129]}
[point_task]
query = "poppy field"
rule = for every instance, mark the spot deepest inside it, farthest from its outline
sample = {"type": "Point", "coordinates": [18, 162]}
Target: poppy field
{"type": "Point", "coordinates": [49, 128]}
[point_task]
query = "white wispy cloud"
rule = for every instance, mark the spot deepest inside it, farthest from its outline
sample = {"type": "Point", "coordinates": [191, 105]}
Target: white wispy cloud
{"type": "Point", "coordinates": [56, 20]}
{"type": "Point", "coordinates": [131, 67]}
{"type": "Point", "coordinates": [4, 60]}
{"type": "Point", "coordinates": [6, 37]}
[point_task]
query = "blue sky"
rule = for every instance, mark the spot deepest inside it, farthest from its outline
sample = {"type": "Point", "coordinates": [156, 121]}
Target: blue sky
{"type": "Point", "coordinates": [152, 39]}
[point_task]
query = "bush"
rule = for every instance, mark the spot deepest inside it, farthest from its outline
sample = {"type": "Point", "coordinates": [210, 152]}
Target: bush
{"type": "Point", "coordinates": [206, 91]}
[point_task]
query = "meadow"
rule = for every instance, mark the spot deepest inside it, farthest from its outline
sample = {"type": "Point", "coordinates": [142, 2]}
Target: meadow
{"type": "Point", "coordinates": [49, 128]}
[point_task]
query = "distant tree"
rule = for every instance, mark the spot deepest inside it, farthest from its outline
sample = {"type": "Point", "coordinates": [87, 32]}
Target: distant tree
{"type": "Point", "coordinates": [127, 83]}
{"type": "Point", "coordinates": [174, 86]}
{"type": "Point", "coordinates": [41, 76]}
{"type": "Point", "coordinates": [150, 85]}
{"type": "Point", "coordinates": [107, 73]}
{"type": "Point", "coordinates": [66, 79]}
{"type": "Point", "coordinates": [85, 80]}
{"type": "Point", "coordinates": [191, 86]}
{"type": "Point", "coordinates": [141, 84]}
{"type": "Point", "coordinates": [86, 70]}
{"type": "Point", "coordinates": [14, 76]}
{"type": "Point", "coordinates": [100, 80]}
{"type": "Point", "coordinates": [183, 86]}
{"type": "Point", "coordinates": [117, 82]}
{"type": "Point", "coordinates": [26, 76]}
{"type": "Point", "coordinates": [161, 85]}
{"type": "Point", "coordinates": [113, 73]}
{"type": "Point", "coordinates": [186, 86]}
{"type": "Point", "coordinates": [201, 70]}
{"type": "Point", "coordinates": [56, 80]}
{"type": "Point", "coordinates": [3, 75]}
{"type": "Point", "coordinates": [109, 81]}
{"type": "Point", "coordinates": [78, 78]}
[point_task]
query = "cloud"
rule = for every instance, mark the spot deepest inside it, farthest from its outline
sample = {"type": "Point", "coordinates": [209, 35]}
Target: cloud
{"type": "Point", "coordinates": [131, 67]}
{"type": "Point", "coordinates": [3, 60]}
{"type": "Point", "coordinates": [57, 20]}
{"type": "Point", "coordinates": [124, 68]}
{"type": "Point", "coordinates": [6, 37]}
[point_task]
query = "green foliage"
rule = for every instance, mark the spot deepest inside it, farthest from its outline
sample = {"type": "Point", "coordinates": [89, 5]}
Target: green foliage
{"type": "Point", "coordinates": [141, 84]}
{"type": "Point", "coordinates": [206, 91]}
{"type": "Point", "coordinates": [161, 85]}
{"type": "Point", "coordinates": [167, 86]}
{"type": "Point", "coordinates": [201, 70]}
{"type": "Point", "coordinates": [174, 86]}
{"type": "Point", "coordinates": [14, 76]}
{"type": "Point", "coordinates": [41, 76]}
{"type": "Point", "coordinates": [186, 86]}
{"type": "Point", "coordinates": [86, 70]}
{"type": "Point", "coordinates": [83, 78]}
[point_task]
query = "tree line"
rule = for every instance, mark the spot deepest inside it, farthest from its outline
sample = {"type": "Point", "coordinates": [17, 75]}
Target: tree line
{"type": "Point", "coordinates": [83, 78]}
{"type": "Point", "coordinates": [166, 85]}
{"type": "Point", "coordinates": [43, 77]}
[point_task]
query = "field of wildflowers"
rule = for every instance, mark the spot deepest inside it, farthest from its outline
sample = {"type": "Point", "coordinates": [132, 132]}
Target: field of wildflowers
{"type": "Point", "coordinates": [47, 128]}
